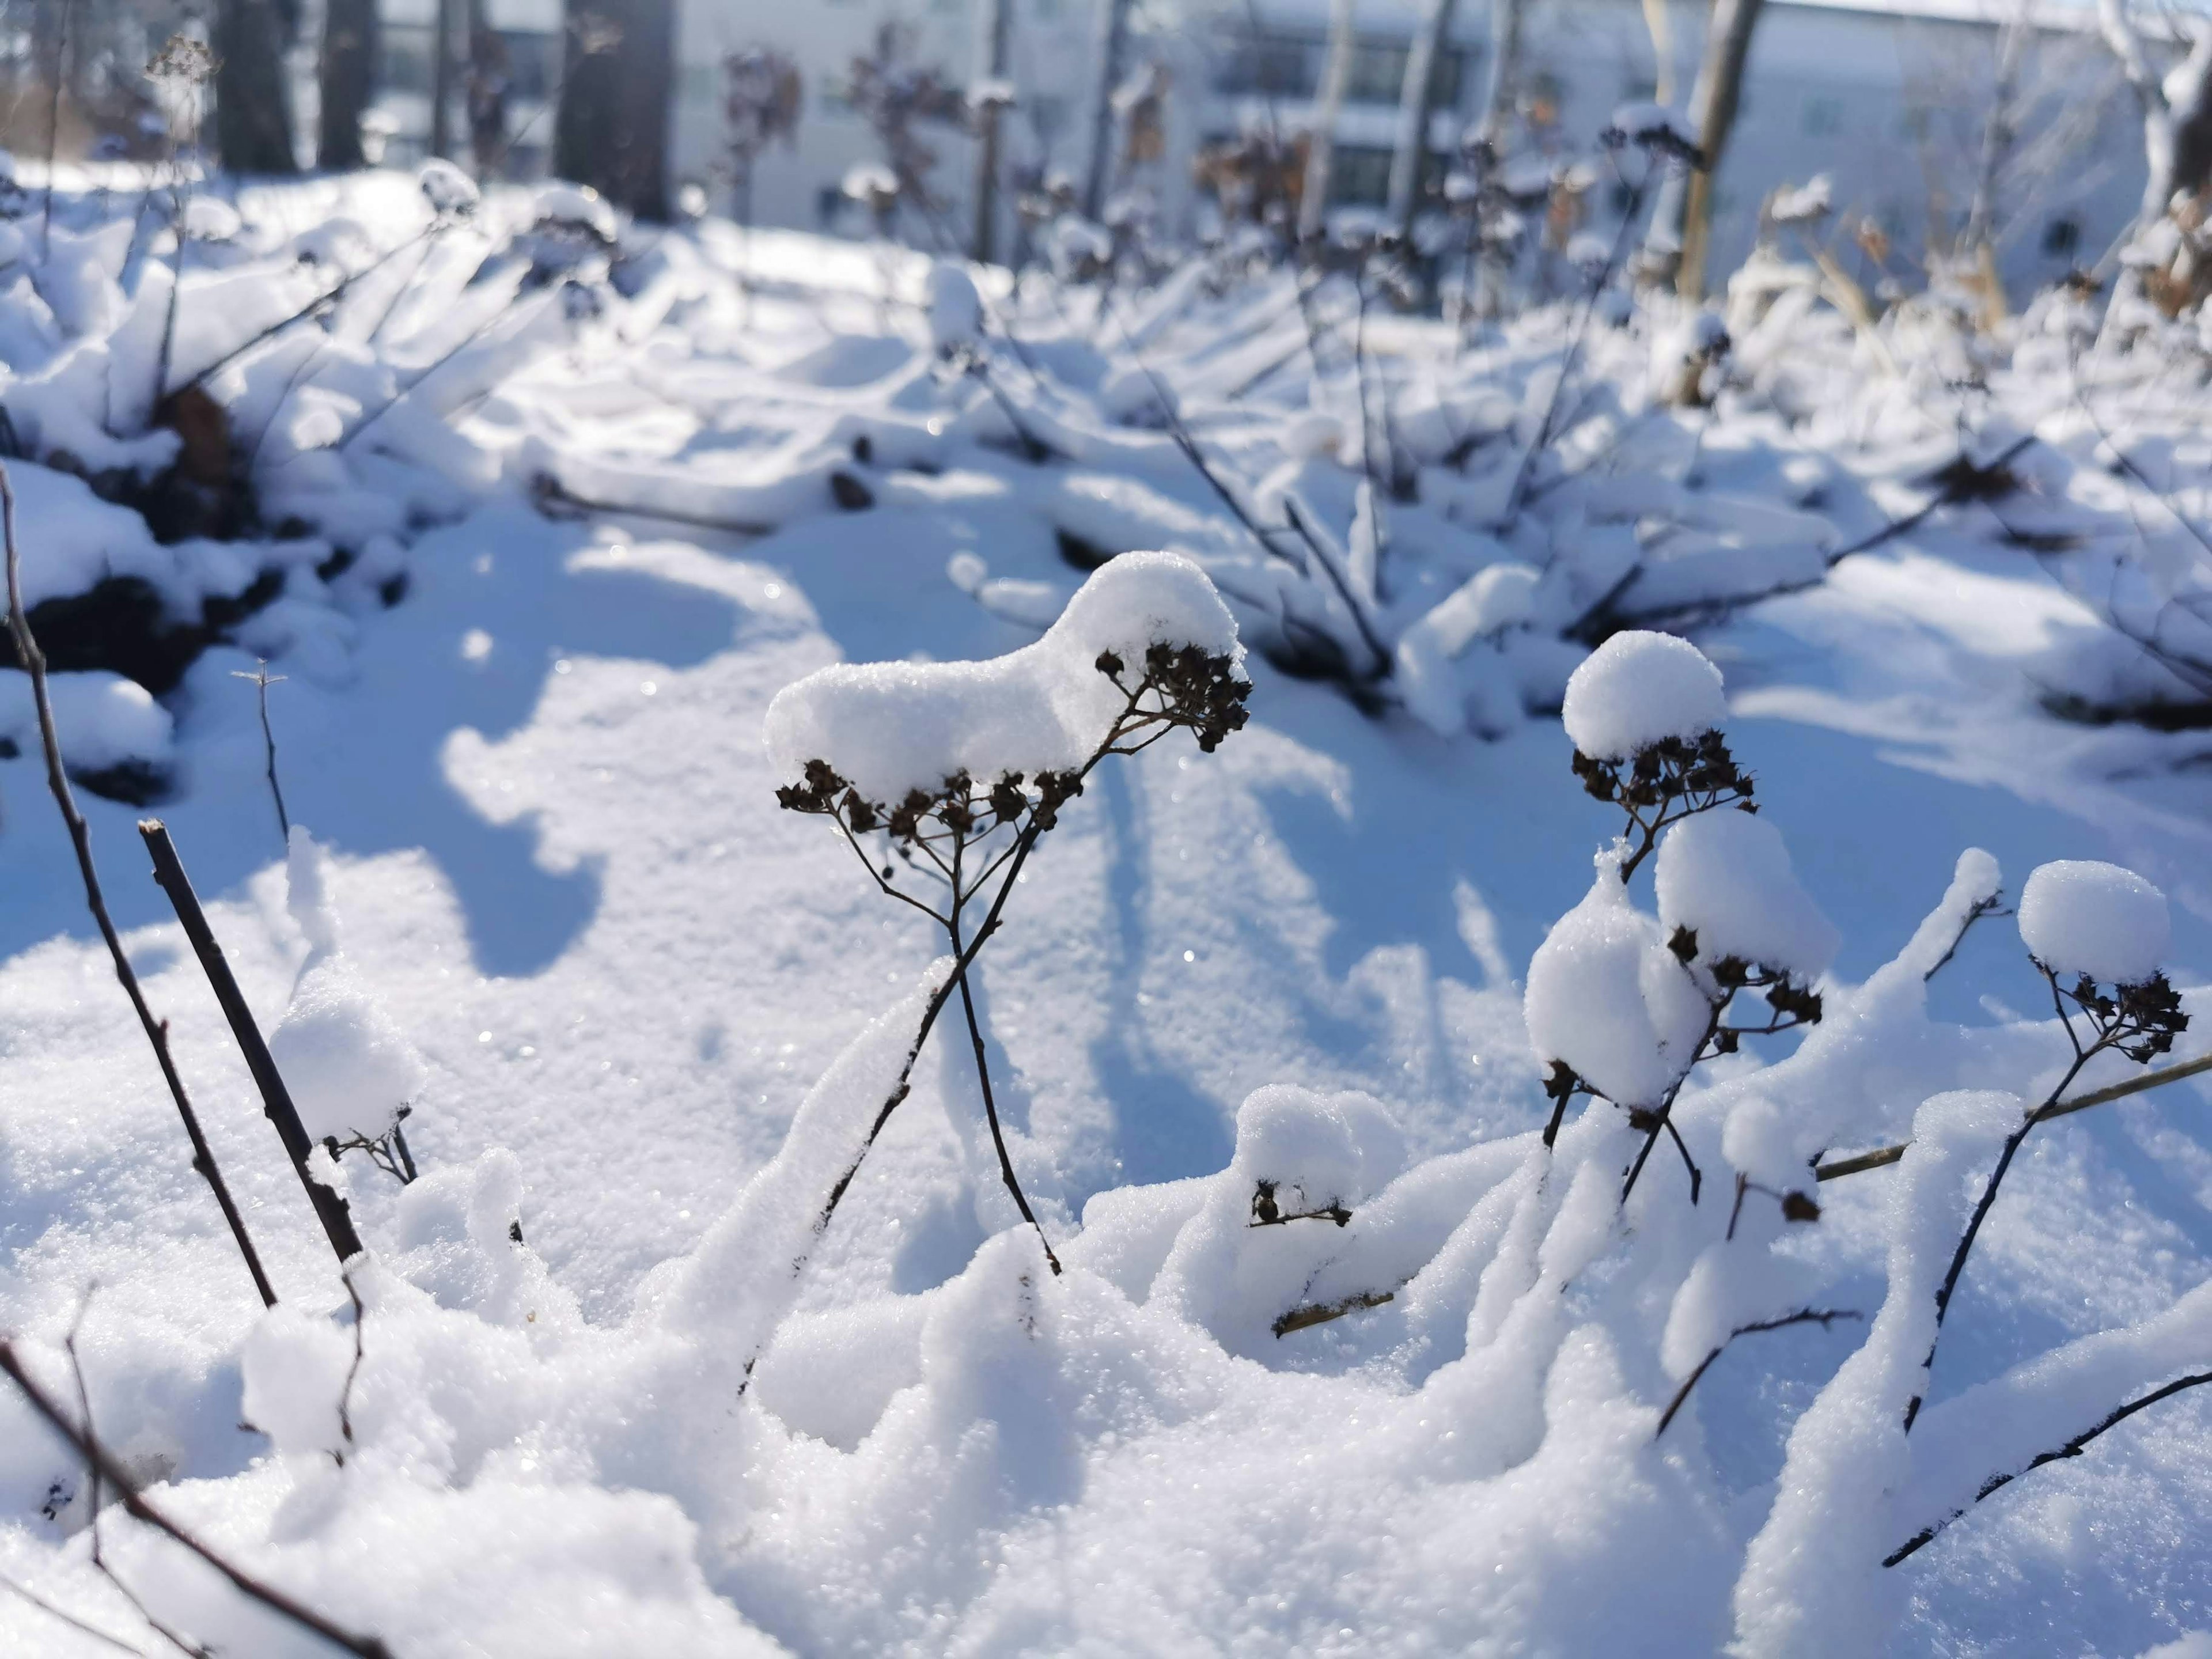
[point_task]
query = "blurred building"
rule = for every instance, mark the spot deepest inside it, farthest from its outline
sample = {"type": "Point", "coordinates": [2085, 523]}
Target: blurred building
{"type": "Point", "coordinates": [1889, 98]}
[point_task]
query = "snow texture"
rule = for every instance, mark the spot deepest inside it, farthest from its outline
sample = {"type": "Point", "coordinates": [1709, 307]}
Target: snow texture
{"type": "Point", "coordinates": [1638, 688]}
{"type": "Point", "coordinates": [1726, 875]}
{"type": "Point", "coordinates": [2082, 916]}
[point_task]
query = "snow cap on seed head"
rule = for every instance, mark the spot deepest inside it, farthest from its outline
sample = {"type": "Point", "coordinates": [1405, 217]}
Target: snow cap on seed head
{"type": "Point", "coordinates": [2080, 916]}
{"type": "Point", "coordinates": [1638, 688]}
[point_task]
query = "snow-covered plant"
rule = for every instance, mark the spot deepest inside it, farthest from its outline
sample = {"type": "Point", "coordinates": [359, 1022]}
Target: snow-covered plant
{"type": "Point", "coordinates": [895, 96]}
{"type": "Point", "coordinates": [943, 777]}
{"type": "Point", "coordinates": [1623, 1006]}
{"type": "Point", "coordinates": [350, 1070]}
{"type": "Point", "coordinates": [760, 100]}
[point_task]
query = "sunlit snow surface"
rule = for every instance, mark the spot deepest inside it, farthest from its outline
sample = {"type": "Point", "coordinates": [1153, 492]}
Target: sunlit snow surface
{"type": "Point", "coordinates": [559, 868]}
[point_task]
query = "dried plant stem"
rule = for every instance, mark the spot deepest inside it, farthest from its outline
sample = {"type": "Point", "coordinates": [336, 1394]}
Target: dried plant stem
{"type": "Point", "coordinates": [157, 1031]}
{"type": "Point", "coordinates": [69, 1619]}
{"type": "Point", "coordinates": [106, 1467]}
{"type": "Point", "coordinates": [1884, 1156]}
{"type": "Point", "coordinates": [2071, 1449]}
{"type": "Point", "coordinates": [1821, 1316]}
{"type": "Point", "coordinates": [331, 1208]}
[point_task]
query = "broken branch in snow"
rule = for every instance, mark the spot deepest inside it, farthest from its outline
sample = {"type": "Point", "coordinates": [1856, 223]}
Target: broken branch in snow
{"type": "Point", "coordinates": [66, 1618]}
{"type": "Point", "coordinates": [1319, 1313]}
{"type": "Point", "coordinates": [107, 1468]}
{"type": "Point", "coordinates": [2071, 1449]}
{"type": "Point", "coordinates": [331, 1208]}
{"type": "Point", "coordinates": [1821, 1316]}
{"type": "Point", "coordinates": [157, 1031]}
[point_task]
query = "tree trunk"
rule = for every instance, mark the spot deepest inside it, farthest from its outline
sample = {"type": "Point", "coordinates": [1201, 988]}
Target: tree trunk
{"type": "Point", "coordinates": [1683, 218]}
{"type": "Point", "coordinates": [1506, 18]}
{"type": "Point", "coordinates": [1416, 103]}
{"type": "Point", "coordinates": [610, 129]}
{"type": "Point", "coordinates": [1321, 142]}
{"type": "Point", "coordinates": [1113, 40]}
{"type": "Point", "coordinates": [443, 27]}
{"type": "Point", "coordinates": [1997, 134]}
{"type": "Point", "coordinates": [252, 110]}
{"type": "Point", "coordinates": [987, 114]}
{"type": "Point", "coordinates": [348, 79]}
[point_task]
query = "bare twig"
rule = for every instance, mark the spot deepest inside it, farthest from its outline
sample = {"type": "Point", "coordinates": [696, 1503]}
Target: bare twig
{"type": "Point", "coordinates": [2072, 1449]}
{"type": "Point", "coordinates": [1991, 906]}
{"type": "Point", "coordinates": [263, 679]}
{"type": "Point", "coordinates": [157, 1031]}
{"type": "Point", "coordinates": [1821, 1316]}
{"type": "Point", "coordinates": [1319, 1313]}
{"type": "Point", "coordinates": [105, 1465]}
{"type": "Point", "coordinates": [69, 1619]}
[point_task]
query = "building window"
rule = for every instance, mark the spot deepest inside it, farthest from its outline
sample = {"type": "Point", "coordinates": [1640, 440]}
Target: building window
{"type": "Point", "coordinates": [1281, 66]}
{"type": "Point", "coordinates": [1358, 175]}
{"type": "Point", "coordinates": [2062, 236]}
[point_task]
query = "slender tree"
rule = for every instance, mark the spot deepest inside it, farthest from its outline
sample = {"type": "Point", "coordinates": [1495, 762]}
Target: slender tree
{"type": "Point", "coordinates": [1112, 46]}
{"type": "Point", "coordinates": [253, 106]}
{"type": "Point", "coordinates": [2177, 108]}
{"type": "Point", "coordinates": [1321, 142]}
{"type": "Point", "coordinates": [347, 77]}
{"type": "Point", "coordinates": [988, 111]}
{"type": "Point", "coordinates": [610, 127]}
{"type": "Point", "coordinates": [1507, 18]}
{"type": "Point", "coordinates": [1416, 104]}
{"type": "Point", "coordinates": [1681, 224]}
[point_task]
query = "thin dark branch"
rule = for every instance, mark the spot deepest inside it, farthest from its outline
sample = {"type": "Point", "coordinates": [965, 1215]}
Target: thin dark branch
{"type": "Point", "coordinates": [2071, 1449]}
{"type": "Point", "coordinates": [104, 1462]}
{"type": "Point", "coordinates": [1821, 1316]}
{"type": "Point", "coordinates": [157, 1031]}
{"type": "Point", "coordinates": [69, 1619]}
{"type": "Point", "coordinates": [1319, 1313]}
{"type": "Point", "coordinates": [330, 1206]}
{"type": "Point", "coordinates": [1991, 906]}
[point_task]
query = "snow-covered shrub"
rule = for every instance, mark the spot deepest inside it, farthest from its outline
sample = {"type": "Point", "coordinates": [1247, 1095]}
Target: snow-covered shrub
{"type": "Point", "coordinates": [956, 770]}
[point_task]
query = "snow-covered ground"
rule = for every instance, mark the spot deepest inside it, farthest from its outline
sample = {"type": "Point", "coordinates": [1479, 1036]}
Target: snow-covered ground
{"type": "Point", "coordinates": [557, 864]}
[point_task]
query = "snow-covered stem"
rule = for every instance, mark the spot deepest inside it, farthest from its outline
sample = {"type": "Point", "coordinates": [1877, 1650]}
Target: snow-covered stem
{"type": "Point", "coordinates": [1321, 140]}
{"type": "Point", "coordinates": [105, 1467]}
{"type": "Point", "coordinates": [330, 1206]}
{"type": "Point", "coordinates": [34, 663]}
{"type": "Point", "coordinates": [262, 681]}
{"type": "Point", "coordinates": [2115, 1026]}
{"type": "Point", "coordinates": [2072, 1449]}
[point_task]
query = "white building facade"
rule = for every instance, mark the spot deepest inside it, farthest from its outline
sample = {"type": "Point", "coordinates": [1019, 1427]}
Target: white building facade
{"type": "Point", "coordinates": [1890, 99]}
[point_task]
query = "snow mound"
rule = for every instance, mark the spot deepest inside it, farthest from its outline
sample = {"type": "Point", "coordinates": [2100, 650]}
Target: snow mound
{"type": "Point", "coordinates": [348, 1066]}
{"type": "Point", "coordinates": [102, 719]}
{"type": "Point", "coordinates": [890, 727]}
{"type": "Point", "coordinates": [1314, 1150]}
{"type": "Point", "coordinates": [1638, 688]}
{"type": "Point", "coordinates": [1608, 997]}
{"type": "Point", "coordinates": [1726, 876]}
{"type": "Point", "coordinates": [2079, 917]}
{"type": "Point", "coordinates": [956, 310]}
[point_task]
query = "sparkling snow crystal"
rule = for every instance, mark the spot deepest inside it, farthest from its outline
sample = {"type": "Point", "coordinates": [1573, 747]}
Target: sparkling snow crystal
{"type": "Point", "coordinates": [1638, 688]}
{"type": "Point", "coordinates": [2079, 917]}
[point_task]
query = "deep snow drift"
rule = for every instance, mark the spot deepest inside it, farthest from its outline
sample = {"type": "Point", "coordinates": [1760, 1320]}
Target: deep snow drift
{"type": "Point", "coordinates": [1345, 1358]}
